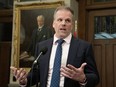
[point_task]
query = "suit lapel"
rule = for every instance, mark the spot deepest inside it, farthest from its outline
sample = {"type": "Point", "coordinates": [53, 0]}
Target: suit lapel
{"type": "Point", "coordinates": [74, 45]}
{"type": "Point", "coordinates": [45, 61]}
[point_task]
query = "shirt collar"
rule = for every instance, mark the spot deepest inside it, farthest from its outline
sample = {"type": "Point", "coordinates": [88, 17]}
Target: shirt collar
{"type": "Point", "coordinates": [40, 26]}
{"type": "Point", "coordinates": [67, 39]}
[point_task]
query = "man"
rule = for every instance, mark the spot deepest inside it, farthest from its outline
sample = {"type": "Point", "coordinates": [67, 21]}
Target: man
{"type": "Point", "coordinates": [78, 68]}
{"type": "Point", "coordinates": [40, 34]}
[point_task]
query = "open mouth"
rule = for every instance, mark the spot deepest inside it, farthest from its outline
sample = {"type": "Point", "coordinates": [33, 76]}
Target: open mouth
{"type": "Point", "coordinates": [63, 29]}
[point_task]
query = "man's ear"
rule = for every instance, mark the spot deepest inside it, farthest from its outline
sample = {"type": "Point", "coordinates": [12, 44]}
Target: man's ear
{"type": "Point", "coordinates": [53, 24]}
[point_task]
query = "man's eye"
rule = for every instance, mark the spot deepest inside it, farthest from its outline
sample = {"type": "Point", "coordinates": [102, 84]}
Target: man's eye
{"type": "Point", "coordinates": [59, 19]}
{"type": "Point", "coordinates": [68, 20]}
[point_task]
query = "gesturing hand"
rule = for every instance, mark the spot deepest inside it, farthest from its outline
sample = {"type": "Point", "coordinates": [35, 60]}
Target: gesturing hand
{"type": "Point", "coordinates": [73, 72]}
{"type": "Point", "coordinates": [20, 75]}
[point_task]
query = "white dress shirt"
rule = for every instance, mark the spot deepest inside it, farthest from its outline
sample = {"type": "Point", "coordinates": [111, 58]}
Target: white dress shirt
{"type": "Point", "coordinates": [65, 51]}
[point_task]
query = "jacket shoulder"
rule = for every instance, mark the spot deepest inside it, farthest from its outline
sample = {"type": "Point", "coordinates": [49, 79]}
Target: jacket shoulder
{"type": "Point", "coordinates": [82, 42]}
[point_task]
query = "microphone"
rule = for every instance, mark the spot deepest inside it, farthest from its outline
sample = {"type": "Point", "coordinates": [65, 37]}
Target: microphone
{"type": "Point", "coordinates": [42, 52]}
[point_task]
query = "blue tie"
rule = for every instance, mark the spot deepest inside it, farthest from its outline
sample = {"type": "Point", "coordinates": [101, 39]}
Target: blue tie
{"type": "Point", "coordinates": [55, 81]}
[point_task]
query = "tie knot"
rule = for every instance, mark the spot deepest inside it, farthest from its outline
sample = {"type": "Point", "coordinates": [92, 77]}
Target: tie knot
{"type": "Point", "coordinates": [60, 41]}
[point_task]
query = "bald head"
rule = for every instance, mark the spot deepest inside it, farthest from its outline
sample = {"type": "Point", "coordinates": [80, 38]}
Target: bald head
{"type": "Point", "coordinates": [40, 20]}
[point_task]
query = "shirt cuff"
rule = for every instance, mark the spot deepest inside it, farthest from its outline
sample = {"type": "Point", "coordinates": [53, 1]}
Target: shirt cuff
{"type": "Point", "coordinates": [22, 85]}
{"type": "Point", "coordinates": [83, 84]}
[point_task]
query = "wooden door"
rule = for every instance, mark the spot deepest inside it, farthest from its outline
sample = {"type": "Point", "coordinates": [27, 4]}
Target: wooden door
{"type": "Point", "coordinates": [104, 49]}
{"type": "Point", "coordinates": [5, 52]}
{"type": "Point", "coordinates": [5, 45]}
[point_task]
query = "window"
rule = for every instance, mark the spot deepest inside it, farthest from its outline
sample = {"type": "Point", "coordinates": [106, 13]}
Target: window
{"type": "Point", "coordinates": [105, 27]}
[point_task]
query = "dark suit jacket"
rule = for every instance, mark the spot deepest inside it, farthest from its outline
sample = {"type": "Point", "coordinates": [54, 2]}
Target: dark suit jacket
{"type": "Point", "coordinates": [79, 52]}
{"type": "Point", "coordinates": [38, 36]}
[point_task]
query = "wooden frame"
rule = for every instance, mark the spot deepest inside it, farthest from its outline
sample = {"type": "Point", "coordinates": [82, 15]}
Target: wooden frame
{"type": "Point", "coordinates": [31, 10]}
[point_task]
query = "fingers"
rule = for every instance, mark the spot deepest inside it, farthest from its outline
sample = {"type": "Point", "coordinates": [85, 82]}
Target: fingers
{"type": "Point", "coordinates": [75, 69]}
{"type": "Point", "coordinates": [72, 67]}
{"type": "Point", "coordinates": [14, 70]}
{"type": "Point", "coordinates": [83, 66]}
{"type": "Point", "coordinates": [72, 72]}
{"type": "Point", "coordinates": [66, 72]}
{"type": "Point", "coordinates": [19, 73]}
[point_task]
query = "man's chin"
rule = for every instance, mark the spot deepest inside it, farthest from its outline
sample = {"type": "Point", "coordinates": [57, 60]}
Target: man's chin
{"type": "Point", "coordinates": [63, 36]}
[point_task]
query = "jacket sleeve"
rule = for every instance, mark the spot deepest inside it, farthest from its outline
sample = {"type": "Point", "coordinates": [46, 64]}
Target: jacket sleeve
{"type": "Point", "coordinates": [91, 68]}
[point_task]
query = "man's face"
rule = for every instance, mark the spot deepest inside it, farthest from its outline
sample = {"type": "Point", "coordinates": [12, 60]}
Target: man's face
{"type": "Point", "coordinates": [62, 23]}
{"type": "Point", "coordinates": [40, 21]}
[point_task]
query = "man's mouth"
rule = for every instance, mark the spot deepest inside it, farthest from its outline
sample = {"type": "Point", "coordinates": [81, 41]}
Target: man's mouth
{"type": "Point", "coordinates": [63, 29]}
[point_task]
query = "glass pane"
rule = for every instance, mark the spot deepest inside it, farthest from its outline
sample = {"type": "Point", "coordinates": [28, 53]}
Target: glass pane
{"type": "Point", "coordinates": [105, 27]}
{"type": "Point", "coordinates": [103, 0]}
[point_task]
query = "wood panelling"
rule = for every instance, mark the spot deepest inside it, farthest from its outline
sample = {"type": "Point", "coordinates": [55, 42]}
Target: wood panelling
{"type": "Point", "coordinates": [6, 16]}
{"type": "Point", "coordinates": [104, 49]}
{"type": "Point", "coordinates": [81, 18]}
{"type": "Point", "coordinates": [98, 58]}
{"type": "Point", "coordinates": [114, 62]}
{"type": "Point", "coordinates": [99, 6]}
{"type": "Point", "coordinates": [109, 64]}
{"type": "Point", "coordinates": [5, 49]}
{"type": "Point", "coordinates": [105, 55]}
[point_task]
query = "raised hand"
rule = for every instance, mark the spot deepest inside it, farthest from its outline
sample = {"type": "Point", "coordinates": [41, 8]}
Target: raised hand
{"type": "Point", "coordinates": [20, 75]}
{"type": "Point", "coordinates": [73, 72]}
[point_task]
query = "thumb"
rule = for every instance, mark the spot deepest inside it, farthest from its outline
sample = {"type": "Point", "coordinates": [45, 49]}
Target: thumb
{"type": "Point", "coordinates": [13, 68]}
{"type": "Point", "coordinates": [83, 65]}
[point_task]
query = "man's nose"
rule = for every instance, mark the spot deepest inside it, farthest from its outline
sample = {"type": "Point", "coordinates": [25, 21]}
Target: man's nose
{"type": "Point", "coordinates": [63, 22]}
